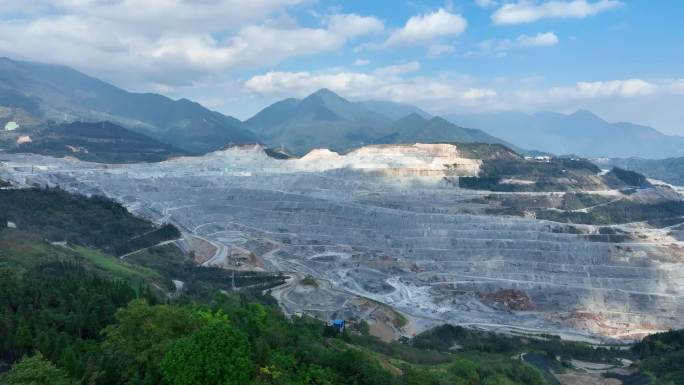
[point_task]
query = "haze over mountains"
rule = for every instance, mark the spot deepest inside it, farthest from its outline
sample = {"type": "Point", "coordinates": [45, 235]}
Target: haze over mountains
{"type": "Point", "coordinates": [40, 97]}
{"type": "Point", "coordinates": [581, 133]}
{"type": "Point", "coordinates": [670, 170]}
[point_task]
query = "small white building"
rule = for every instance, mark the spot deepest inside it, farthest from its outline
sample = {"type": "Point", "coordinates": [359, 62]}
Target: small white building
{"type": "Point", "coordinates": [24, 139]}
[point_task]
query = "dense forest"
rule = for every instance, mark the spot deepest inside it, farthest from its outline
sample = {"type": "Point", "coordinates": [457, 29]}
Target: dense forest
{"type": "Point", "coordinates": [76, 314]}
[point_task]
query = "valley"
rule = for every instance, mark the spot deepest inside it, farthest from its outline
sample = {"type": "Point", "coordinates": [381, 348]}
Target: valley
{"type": "Point", "coordinates": [389, 237]}
{"type": "Point", "coordinates": [293, 192]}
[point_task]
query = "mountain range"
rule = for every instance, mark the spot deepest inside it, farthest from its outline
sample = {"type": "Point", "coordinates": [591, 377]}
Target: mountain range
{"type": "Point", "coordinates": [102, 142]}
{"type": "Point", "coordinates": [44, 98]}
{"type": "Point", "coordinates": [326, 120]}
{"type": "Point", "coordinates": [670, 170]}
{"type": "Point", "coordinates": [58, 93]}
{"type": "Point", "coordinates": [581, 133]}
{"type": "Point", "coordinates": [322, 119]}
{"type": "Point", "coordinates": [416, 128]}
{"type": "Point", "coordinates": [394, 110]}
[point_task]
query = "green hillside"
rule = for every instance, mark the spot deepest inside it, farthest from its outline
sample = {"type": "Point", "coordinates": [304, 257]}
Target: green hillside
{"type": "Point", "coordinates": [326, 120]}
{"type": "Point", "coordinates": [415, 128]}
{"type": "Point", "coordinates": [59, 93]}
{"type": "Point", "coordinates": [101, 142]}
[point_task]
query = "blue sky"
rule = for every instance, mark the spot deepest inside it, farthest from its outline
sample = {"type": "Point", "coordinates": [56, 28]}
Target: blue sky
{"type": "Point", "coordinates": [621, 59]}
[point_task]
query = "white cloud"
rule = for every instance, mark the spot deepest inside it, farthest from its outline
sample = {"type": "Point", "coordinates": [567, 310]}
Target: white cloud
{"type": "Point", "coordinates": [253, 45]}
{"type": "Point", "coordinates": [478, 94]}
{"type": "Point", "coordinates": [202, 39]}
{"type": "Point", "coordinates": [448, 93]}
{"type": "Point", "coordinates": [546, 39]}
{"type": "Point", "coordinates": [527, 11]}
{"type": "Point", "coordinates": [399, 69]}
{"type": "Point", "coordinates": [154, 16]}
{"type": "Point", "coordinates": [361, 62]}
{"type": "Point", "coordinates": [593, 93]}
{"type": "Point", "coordinates": [499, 47]}
{"type": "Point", "coordinates": [605, 89]}
{"type": "Point", "coordinates": [651, 102]}
{"type": "Point", "coordinates": [486, 3]}
{"type": "Point", "coordinates": [437, 50]}
{"type": "Point", "coordinates": [352, 25]}
{"type": "Point", "coordinates": [426, 28]}
{"type": "Point", "coordinates": [303, 83]}
{"type": "Point", "coordinates": [439, 92]}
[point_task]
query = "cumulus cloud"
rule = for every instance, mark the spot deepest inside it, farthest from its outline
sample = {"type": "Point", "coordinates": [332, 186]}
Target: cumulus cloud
{"type": "Point", "coordinates": [437, 50]}
{"type": "Point", "coordinates": [615, 88]}
{"type": "Point", "coordinates": [155, 16]}
{"type": "Point", "coordinates": [426, 28]}
{"type": "Point", "coordinates": [539, 40]}
{"type": "Point", "coordinates": [353, 25]}
{"type": "Point", "coordinates": [499, 47]}
{"type": "Point", "coordinates": [399, 69]}
{"type": "Point", "coordinates": [597, 92]}
{"type": "Point", "coordinates": [527, 11]}
{"type": "Point", "coordinates": [162, 43]}
{"type": "Point", "coordinates": [253, 45]}
{"type": "Point", "coordinates": [443, 94]}
{"type": "Point", "coordinates": [438, 92]}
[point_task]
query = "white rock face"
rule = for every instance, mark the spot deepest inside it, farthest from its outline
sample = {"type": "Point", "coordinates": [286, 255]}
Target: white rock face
{"type": "Point", "coordinates": [399, 160]}
{"type": "Point", "coordinates": [383, 223]}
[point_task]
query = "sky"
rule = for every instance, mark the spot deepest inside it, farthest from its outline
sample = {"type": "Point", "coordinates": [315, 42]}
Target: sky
{"type": "Point", "coordinates": [622, 59]}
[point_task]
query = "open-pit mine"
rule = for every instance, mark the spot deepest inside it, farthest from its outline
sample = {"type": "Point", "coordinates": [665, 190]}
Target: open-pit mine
{"type": "Point", "coordinates": [385, 234]}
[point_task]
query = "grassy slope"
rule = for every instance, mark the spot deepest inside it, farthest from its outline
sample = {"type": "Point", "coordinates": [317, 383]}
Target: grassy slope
{"type": "Point", "coordinates": [24, 250]}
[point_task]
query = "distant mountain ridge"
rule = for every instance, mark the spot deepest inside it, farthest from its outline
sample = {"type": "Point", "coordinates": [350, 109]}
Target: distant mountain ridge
{"type": "Point", "coordinates": [322, 119]}
{"type": "Point", "coordinates": [102, 142]}
{"type": "Point", "coordinates": [416, 128]}
{"type": "Point", "coordinates": [61, 94]}
{"type": "Point", "coordinates": [582, 133]}
{"type": "Point", "coordinates": [670, 170]}
{"type": "Point", "coordinates": [327, 120]}
{"type": "Point", "coordinates": [393, 110]}
{"type": "Point", "coordinates": [44, 98]}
